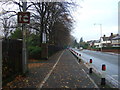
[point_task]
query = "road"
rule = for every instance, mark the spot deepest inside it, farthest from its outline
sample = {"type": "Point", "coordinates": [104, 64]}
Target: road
{"type": "Point", "coordinates": [99, 58]}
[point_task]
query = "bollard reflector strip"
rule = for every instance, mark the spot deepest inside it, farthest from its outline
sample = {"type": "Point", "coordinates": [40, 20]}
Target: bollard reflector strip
{"type": "Point", "coordinates": [103, 67]}
{"type": "Point", "coordinates": [90, 60]}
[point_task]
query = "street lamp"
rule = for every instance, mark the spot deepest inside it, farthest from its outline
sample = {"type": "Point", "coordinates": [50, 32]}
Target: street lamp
{"type": "Point", "coordinates": [100, 33]}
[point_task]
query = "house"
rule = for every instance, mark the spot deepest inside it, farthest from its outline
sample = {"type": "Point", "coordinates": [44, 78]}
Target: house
{"type": "Point", "coordinates": [94, 43]}
{"type": "Point", "coordinates": [111, 41]}
{"type": "Point", "coordinates": [91, 43]}
{"type": "Point", "coordinates": [97, 43]}
{"type": "Point", "coordinates": [116, 41]}
{"type": "Point", "coordinates": [107, 41]}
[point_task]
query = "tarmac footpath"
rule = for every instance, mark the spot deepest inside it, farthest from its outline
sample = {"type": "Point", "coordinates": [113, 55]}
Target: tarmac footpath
{"type": "Point", "coordinates": [67, 73]}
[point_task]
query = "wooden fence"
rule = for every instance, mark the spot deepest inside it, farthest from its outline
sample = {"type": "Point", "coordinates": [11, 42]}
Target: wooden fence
{"type": "Point", "coordinates": [11, 59]}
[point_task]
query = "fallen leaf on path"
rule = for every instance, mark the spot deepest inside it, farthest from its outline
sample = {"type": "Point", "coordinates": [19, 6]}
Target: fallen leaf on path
{"type": "Point", "coordinates": [67, 82]}
{"type": "Point", "coordinates": [66, 87]}
{"type": "Point", "coordinates": [26, 80]}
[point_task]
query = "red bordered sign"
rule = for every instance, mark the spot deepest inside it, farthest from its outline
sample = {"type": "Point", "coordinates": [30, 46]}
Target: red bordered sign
{"type": "Point", "coordinates": [23, 17]}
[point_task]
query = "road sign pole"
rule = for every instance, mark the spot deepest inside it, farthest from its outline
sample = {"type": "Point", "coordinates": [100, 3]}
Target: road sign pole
{"type": "Point", "coordinates": [24, 42]}
{"type": "Point", "coordinates": [24, 50]}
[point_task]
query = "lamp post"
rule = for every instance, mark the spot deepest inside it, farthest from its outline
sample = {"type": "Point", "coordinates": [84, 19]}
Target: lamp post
{"type": "Point", "coordinates": [100, 33]}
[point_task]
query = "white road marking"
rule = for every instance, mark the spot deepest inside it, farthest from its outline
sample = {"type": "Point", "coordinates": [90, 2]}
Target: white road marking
{"type": "Point", "coordinates": [90, 79]}
{"type": "Point", "coordinates": [108, 77]}
{"type": "Point", "coordinates": [114, 75]}
{"type": "Point", "coordinates": [88, 76]}
{"type": "Point", "coordinates": [112, 78]}
{"type": "Point", "coordinates": [48, 75]}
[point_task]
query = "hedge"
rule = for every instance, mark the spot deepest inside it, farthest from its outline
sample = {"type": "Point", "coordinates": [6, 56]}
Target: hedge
{"type": "Point", "coordinates": [34, 52]}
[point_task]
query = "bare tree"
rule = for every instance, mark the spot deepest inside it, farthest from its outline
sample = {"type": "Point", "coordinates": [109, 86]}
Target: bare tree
{"type": "Point", "coordinates": [7, 25]}
{"type": "Point", "coordinates": [47, 14]}
{"type": "Point", "coordinates": [49, 18]}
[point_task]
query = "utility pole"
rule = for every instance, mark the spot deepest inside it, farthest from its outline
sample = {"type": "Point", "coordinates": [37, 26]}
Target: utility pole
{"type": "Point", "coordinates": [100, 34]}
{"type": "Point", "coordinates": [24, 50]}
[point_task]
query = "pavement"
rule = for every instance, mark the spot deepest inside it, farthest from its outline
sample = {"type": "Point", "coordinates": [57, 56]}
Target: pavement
{"type": "Point", "coordinates": [38, 69]}
{"type": "Point", "coordinates": [62, 70]}
{"type": "Point", "coordinates": [68, 74]}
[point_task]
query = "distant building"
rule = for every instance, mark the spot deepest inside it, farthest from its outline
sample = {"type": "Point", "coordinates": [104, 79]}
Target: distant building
{"type": "Point", "coordinates": [91, 43]}
{"type": "Point", "coordinates": [107, 41]}
{"type": "Point", "coordinates": [97, 43]}
{"type": "Point", "coordinates": [111, 41]}
{"type": "Point", "coordinates": [116, 41]}
{"type": "Point", "coordinates": [94, 43]}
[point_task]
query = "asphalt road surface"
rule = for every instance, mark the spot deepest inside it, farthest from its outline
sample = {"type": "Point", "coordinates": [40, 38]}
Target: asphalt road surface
{"type": "Point", "coordinates": [100, 58]}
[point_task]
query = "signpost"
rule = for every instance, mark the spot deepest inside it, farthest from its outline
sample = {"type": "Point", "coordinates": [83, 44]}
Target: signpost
{"type": "Point", "coordinates": [24, 18]}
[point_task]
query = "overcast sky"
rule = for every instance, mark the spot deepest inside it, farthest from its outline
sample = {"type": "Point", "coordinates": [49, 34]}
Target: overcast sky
{"type": "Point", "coordinates": [88, 12]}
{"type": "Point", "coordinates": [103, 12]}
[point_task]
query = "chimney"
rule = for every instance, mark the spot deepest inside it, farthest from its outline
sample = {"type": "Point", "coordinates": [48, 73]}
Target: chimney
{"type": "Point", "coordinates": [111, 34]}
{"type": "Point", "coordinates": [103, 37]}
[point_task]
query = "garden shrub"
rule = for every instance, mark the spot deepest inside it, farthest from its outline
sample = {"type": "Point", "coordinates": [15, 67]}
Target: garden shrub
{"type": "Point", "coordinates": [34, 52]}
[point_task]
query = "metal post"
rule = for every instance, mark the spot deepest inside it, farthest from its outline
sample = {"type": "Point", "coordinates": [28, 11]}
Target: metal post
{"type": "Point", "coordinates": [119, 33]}
{"type": "Point", "coordinates": [24, 41]}
{"type": "Point", "coordinates": [101, 35]}
{"type": "Point", "coordinates": [0, 64]}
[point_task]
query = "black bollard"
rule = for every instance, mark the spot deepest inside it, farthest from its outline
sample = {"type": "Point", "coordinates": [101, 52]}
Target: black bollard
{"type": "Point", "coordinates": [79, 60]}
{"type": "Point", "coordinates": [90, 70]}
{"type": "Point", "coordinates": [103, 81]}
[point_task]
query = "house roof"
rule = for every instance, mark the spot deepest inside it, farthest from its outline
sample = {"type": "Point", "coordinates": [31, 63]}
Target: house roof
{"type": "Point", "coordinates": [105, 38]}
{"type": "Point", "coordinates": [110, 37]}
{"type": "Point", "coordinates": [96, 41]}
{"type": "Point", "coordinates": [116, 38]}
